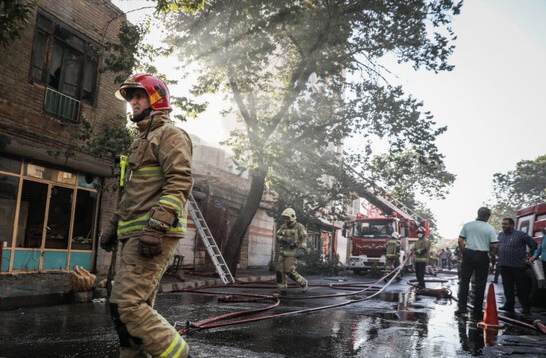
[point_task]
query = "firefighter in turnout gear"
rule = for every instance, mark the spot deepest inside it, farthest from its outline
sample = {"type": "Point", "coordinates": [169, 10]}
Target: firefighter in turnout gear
{"type": "Point", "coordinates": [392, 253]}
{"type": "Point", "coordinates": [150, 220]}
{"type": "Point", "coordinates": [292, 244]}
{"type": "Point", "coordinates": [421, 250]}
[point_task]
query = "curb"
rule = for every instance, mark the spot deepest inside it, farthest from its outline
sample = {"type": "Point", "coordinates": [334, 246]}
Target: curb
{"type": "Point", "coordinates": [66, 297]}
{"type": "Point", "coordinates": [178, 286]}
{"type": "Point", "coordinates": [41, 300]}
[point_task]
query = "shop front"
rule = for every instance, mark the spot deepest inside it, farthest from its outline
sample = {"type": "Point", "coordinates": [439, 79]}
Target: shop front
{"type": "Point", "coordinates": [48, 216]}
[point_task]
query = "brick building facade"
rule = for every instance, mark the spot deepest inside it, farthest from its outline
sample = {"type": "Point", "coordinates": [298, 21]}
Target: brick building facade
{"type": "Point", "coordinates": [51, 209]}
{"type": "Point", "coordinates": [49, 202]}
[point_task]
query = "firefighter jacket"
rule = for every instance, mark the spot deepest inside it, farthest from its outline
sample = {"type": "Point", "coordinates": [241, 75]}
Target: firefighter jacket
{"type": "Point", "coordinates": [295, 232]}
{"type": "Point", "coordinates": [392, 248]}
{"type": "Point", "coordinates": [158, 180]}
{"type": "Point", "coordinates": [422, 248]}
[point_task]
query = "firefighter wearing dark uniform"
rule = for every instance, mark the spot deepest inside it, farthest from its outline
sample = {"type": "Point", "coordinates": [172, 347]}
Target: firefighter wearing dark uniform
{"type": "Point", "coordinates": [151, 218]}
{"type": "Point", "coordinates": [292, 240]}
{"type": "Point", "coordinates": [392, 254]}
{"type": "Point", "coordinates": [421, 251]}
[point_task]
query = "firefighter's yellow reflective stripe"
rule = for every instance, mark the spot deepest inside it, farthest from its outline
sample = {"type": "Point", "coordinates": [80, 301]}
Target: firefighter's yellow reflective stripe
{"type": "Point", "coordinates": [172, 201]}
{"type": "Point", "coordinates": [175, 349]}
{"type": "Point", "coordinates": [147, 172]}
{"type": "Point", "coordinates": [125, 227]}
{"type": "Point", "coordinates": [421, 259]}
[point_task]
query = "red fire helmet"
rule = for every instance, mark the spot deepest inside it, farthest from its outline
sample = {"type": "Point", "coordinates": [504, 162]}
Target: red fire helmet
{"type": "Point", "coordinates": [158, 92]}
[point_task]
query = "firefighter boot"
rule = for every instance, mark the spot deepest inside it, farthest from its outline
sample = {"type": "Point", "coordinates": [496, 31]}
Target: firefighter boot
{"type": "Point", "coordinates": [305, 287]}
{"type": "Point", "coordinates": [132, 352]}
{"type": "Point", "coordinates": [280, 293]}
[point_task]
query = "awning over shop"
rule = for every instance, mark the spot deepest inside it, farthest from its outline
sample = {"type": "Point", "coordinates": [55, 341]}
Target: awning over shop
{"type": "Point", "coordinates": [79, 161]}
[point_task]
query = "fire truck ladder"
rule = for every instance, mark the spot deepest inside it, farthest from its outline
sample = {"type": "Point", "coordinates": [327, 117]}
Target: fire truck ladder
{"type": "Point", "coordinates": [386, 202]}
{"type": "Point", "coordinates": [396, 205]}
{"type": "Point", "coordinates": [210, 244]}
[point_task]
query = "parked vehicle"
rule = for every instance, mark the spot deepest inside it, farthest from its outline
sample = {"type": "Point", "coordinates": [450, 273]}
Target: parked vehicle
{"type": "Point", "coordinates": [369, 233]}
{"type": "Point", "coordinates": [532, 220]}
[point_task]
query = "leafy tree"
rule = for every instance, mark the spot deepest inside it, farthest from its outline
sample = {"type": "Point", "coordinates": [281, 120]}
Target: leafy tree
{"type": "Point", "coordinates": [14, 16]}
{"type": "Point", "coordinates": [499, 211]}
{"type": "Point", "coordinates": [131, 53]}
{"type": "Point", "coordinates": [410, 172]}
{"type": "Point", "coordinates": [108, 140]}
{"type": "Point", "coordinates": [305, 75]}
{"type": "Point", "coordinates": [524, 185]}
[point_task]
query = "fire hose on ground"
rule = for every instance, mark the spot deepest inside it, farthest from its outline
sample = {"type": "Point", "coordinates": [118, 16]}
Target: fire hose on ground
{"type": "Point", "coordinates": [356, 290]}
{"type": "Point", "coordinates": [214, 322]}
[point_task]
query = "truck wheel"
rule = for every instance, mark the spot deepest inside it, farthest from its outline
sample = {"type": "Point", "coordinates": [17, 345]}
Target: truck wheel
{"type": "Point", "coordinates": [357, 271]}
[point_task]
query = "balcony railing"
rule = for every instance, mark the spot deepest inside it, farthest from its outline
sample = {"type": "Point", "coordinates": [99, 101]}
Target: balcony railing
{"type": "Point", "coordinates": [61, 105]}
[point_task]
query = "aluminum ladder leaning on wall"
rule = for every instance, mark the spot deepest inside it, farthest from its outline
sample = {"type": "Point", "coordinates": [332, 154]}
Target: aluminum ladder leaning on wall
{"type": "Point", "coordinates": [210, 244]}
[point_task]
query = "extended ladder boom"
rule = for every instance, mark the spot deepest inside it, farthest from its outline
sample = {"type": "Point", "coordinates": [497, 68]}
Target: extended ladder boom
{"type": "Point", "coordinates": [208, 240]}
{"type": "Point", "coordinates": [394, 205]}
{"type": "Point", "coordinates": [386, 203]}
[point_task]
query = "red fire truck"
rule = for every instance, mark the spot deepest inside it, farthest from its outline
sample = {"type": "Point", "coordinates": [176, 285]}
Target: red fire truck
{"type": "Point", "coordinates": [532, 220]}
{"type": "Point", "coordinates": [368, 234]}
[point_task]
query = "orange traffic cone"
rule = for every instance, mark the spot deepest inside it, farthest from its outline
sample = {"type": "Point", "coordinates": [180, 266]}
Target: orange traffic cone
{"type": "Point", "coordinates": [490, 316]}
{"type": "Point", "coordinates": [490, 336]}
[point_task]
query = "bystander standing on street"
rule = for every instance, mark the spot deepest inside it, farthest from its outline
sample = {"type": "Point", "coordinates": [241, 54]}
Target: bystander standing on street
{"type": "Point", "coordinates": [433, 258]}
{"type": "Point", "coordinates": [449, 257]}
{"type": "Point", "coordinates": [459, 255]}
{"type": "Point", "coordinates": [513, 262]}
{"type": "Point", "coordinates": [443, 258]}
{"type": "Point", "coordinates": [475, 241]}
{"type": "Point", "coordinates": [494, 257]}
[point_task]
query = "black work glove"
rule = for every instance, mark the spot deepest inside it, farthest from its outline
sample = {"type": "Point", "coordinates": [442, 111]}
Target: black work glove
{"type": "Point", "coordinates": [287, 241]}
{"type": "Point", "coordinates": [300, 254]}
{"type": "Point", "coordinates": [109, 236]}
{"type": "Point", "coordinates": [150, 243]}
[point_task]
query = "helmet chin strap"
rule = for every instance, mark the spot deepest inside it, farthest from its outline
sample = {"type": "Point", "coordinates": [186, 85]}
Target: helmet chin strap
{"type": "Point", "coordinates": [142, 115]}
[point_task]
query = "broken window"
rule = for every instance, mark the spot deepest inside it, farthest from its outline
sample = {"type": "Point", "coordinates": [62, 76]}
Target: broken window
{"type": "Point", "coordinates": [67, 64]}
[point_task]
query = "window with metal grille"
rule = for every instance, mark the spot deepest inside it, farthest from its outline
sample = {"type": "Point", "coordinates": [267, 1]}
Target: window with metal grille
{"type": "Point", "coordinates": [66, 63]}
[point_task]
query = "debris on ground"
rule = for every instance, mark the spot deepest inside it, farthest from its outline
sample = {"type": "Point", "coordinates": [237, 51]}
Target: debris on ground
{"type": "Point", "coordinates": [81, 279]}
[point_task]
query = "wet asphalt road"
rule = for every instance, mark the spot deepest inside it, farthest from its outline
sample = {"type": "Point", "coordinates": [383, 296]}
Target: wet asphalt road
{"type": "Point", "coordinates": [395, 323]}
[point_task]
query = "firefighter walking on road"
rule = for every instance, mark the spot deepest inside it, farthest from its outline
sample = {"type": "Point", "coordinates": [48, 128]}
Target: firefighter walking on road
{"type": "Point", "coordinates": [151, 218]}
{"type": "Point", "coordinates": [392, 253]}
{"type": "Point", "coordinates": [292, 243]}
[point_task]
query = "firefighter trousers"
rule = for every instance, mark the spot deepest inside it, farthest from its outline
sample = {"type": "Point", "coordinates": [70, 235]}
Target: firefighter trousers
{"type": "Point", "coordinates": [140, 328]}
{"type": "Point", "coordinates": [286, 266]}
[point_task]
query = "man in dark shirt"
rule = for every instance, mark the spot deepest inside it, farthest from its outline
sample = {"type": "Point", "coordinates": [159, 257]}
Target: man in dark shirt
{"type": "Point", "coordinates": [513, 262]}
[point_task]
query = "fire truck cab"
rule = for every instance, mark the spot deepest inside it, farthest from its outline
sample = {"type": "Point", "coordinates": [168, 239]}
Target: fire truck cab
{"type": "Point", "coordinates": [532, 220]}
{"type": "Point", "coordinates": [368, 236]}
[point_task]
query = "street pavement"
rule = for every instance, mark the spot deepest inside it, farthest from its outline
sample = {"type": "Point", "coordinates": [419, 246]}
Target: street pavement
{"type": "Point", "coordinates": [335, 318]}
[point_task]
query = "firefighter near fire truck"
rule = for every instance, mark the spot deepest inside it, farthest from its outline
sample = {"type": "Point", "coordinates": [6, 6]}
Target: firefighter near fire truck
{"type": "Point", "coordinates": [392, 253]}
{"type": "Point", "coordinates": [150, 220]}
{"type": "Point", "coordinates": [292, 244]}
{"type": "Point", "coordinates": [421, 251]}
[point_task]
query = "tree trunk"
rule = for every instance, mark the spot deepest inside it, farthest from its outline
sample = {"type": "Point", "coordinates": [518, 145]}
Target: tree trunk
{"type": "Point", "coordinates": [234, 242]}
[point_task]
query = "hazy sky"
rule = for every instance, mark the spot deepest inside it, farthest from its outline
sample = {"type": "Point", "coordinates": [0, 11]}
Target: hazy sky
{"type": "Point", "coordinates": [491, 102]}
